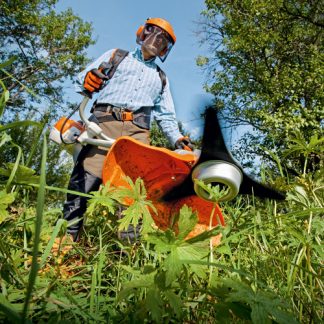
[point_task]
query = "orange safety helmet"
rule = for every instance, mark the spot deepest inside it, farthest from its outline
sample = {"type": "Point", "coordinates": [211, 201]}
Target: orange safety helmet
{"type": "Point", "coordinates": [163, 24]}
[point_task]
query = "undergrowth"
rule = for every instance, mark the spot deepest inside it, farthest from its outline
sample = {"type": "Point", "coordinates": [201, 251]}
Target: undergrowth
{"type": "Point", "coordinates": [266, 269]}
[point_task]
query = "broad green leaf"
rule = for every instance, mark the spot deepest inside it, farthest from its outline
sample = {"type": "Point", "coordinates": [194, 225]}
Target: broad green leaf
{"type": "Point", "coordinates": [3, 213]}
{"type": "Point", "coordinates": [259, 314]}
{"type": "Point", "coordinates": [103, 197]}
{"type": "Point", "coordinates": [5, 200]}
{"type": "Point", "coordinates": [300, 196]}
{"type": "Point", "coordinates": [224, 249]}
{"type": "Point", "coordinates": [9, 311]}
{"type": "Point", "coordinates": [131, 270]}
{"type": "Point", "coordinates": [187, 221]}
{"type": "Point", "coordinates": [173, 266]}
{"type": "Point", "coordinates": [163, 241]}
{"type": "Point", "coordinates": [141, 281]}
{"type": "Point", "coordinates": [174, 301]}
{"type": "Point", "coordinates": [5, 138]}
{"type": "Point", "coordinates": [139, 209]}
{"type": "Point", "coordinates": [215, 192]}
{"type": "Point", "coordinates": [23, 175]}
{"type": "Point", "coordinates": [132, 215]}
{"type": "Point", "coordinates": [193, 252]}
{"type": "Point", "coordinates": [154, 304]}
{"type": "Point", "coordinates": [264, 305]}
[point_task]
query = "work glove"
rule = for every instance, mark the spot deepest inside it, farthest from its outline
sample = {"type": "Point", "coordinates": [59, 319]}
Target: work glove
{"type": "Point", "coordinates": [184, 143]}
{"type": "Point", "coordinates": [94, 81]}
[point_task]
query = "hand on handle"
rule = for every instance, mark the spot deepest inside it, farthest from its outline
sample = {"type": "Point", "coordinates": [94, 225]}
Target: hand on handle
{"type": "Point", "coordinates": [184, 143]}
{"type": "Point", "coordinates": [94, 80]}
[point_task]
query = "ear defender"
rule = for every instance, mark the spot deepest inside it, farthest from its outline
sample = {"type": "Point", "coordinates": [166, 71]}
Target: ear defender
{"type": "Point", "coordinates": [139, 35]}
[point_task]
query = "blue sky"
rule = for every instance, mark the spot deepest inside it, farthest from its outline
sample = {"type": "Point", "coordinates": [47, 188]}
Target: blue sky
{"type": "Point", "coordinates": [115, 23]}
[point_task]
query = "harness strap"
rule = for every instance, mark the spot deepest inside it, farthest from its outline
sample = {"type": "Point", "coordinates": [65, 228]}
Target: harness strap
{"type": "Point", "coordinates": [140, 117]}
{"type": "Point", "coordinates": [118, 113]}
{"type": "Point", "coordinates": [102, 119]}
{"type": "Point", "coordinates": [125, 116]}
{"type": "Point", "coordinates": [115, 60]}
{"type": "Point", "coordinates": [162, 77]}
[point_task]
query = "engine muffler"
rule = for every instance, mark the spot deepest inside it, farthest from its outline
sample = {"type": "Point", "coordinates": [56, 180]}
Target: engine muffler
{"type": "Point", "coordinates": [216, 172]}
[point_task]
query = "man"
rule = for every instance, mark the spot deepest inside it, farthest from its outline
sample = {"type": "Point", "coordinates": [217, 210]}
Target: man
{"type": "Point", "coordinates": [137, 91]}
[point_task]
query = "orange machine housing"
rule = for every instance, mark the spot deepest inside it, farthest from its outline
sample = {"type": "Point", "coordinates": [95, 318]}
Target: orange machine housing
{"type": "Point", "coordinates": [161, 170]}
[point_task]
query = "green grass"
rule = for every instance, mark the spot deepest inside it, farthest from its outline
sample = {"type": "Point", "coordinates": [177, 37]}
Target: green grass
{"type": "Point", "coordinates": [267, 269]}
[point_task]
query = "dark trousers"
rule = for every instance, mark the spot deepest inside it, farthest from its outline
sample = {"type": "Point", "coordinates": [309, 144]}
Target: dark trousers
{"type": "Point", "coordinates": [86, 175]}
{"type": "Point", "coordinates": [75, 206]}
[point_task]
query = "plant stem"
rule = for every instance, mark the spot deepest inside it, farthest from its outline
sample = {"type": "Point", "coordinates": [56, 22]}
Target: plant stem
{"type": "Point", "coordinates": [211, 256]}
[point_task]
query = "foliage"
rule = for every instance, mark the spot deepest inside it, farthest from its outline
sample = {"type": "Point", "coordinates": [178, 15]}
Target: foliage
{"type": "Point", "coordinates": [140, 208]}
{"type": "Point", "coordinates": [266, 268]}
{"type": "Point", "coordinates": [40, 50]}
{"type": "Point", "coordinates": [266, 68]}
{"type": "Point", "coordinates": [5, 200]}
{"type": "Point", "coordinates": [312, 149]}
{"type": "Point", "coordinates": [14, 135]}
{"type": "Point", "coordinates": [47, 48]}
{"type": "Point", "coordinates": [157, 137]}
{"type": "Point", "coordinates": [215, 192]}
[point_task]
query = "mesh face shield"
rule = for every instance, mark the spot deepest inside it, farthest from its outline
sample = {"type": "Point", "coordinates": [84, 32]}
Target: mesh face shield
{"type": "Point", "coordinates": [156, 41]}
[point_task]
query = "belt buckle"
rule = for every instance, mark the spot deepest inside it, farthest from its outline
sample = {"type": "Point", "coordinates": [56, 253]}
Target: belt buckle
{"type": "Point", "coordinates": [121, 114]}
{"type": "Point", "coordinates": [127, 115]}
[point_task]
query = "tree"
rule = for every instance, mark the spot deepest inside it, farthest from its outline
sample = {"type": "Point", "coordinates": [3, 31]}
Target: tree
{"type": "Point", "coordinates": [266, 66]}
{"type": "Point", "coordinates": [47, 47]}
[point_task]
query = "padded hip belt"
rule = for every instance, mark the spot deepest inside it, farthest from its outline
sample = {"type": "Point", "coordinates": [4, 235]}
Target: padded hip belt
{"type": "Point", "coordinates": [140, 117]}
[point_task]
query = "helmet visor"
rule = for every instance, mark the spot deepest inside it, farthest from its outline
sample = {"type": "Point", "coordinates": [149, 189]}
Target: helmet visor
{"type": "Point", "coordinates": [157, 41]}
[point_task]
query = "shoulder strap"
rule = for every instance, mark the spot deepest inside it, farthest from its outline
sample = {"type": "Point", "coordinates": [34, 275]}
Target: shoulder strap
{"type": "Point", "coordinates": [109, 68]}
{"type": "Point", "coordinates": [116, 58]}
{"type": "Point", "coordinates": [162, 77]}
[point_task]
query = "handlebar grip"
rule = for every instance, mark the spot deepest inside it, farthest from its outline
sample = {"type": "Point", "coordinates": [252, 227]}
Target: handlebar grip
{"type": "Point", "coordinates": [187, 148]}
{"type": "Point", "coordinates": [87, 93]}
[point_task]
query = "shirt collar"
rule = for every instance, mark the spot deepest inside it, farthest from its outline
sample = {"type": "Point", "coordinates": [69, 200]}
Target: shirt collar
{"type": "Point", "coordinates": [139, 56]}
